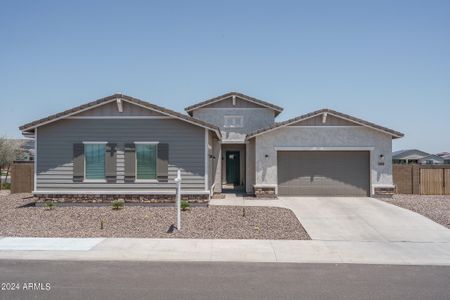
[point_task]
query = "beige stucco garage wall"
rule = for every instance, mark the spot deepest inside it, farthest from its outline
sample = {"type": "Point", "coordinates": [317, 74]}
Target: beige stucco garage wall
{"type": "Point", "coordinates": [331, 137]}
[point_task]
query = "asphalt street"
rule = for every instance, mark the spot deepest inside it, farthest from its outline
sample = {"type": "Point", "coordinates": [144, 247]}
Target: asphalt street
{"type": "Point", "coordinates": [185, 280]}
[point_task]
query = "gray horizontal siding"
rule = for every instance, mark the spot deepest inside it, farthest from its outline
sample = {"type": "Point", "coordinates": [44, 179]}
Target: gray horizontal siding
{"type": "Point", "coordinates": [55, 151]}
{"type": "Point", "coordinates": [110, 109]}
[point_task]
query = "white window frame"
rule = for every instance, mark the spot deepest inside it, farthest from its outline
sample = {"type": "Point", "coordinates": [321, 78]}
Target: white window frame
{"type": "Point", "coordinates": [93, 180]}
{"type": "Point", "coordinates": [236, 118]}
{"type": "Point", "coordinates": [135, 164]}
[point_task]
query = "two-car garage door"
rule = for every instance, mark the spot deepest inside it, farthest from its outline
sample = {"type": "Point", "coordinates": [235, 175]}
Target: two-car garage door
{"type": "Point", "coordinates": [323, 173]}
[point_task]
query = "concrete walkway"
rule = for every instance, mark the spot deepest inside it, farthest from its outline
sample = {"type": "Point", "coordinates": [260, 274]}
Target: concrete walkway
{"type": "Point", "coordinates": [398, 253]}
{"type": "Point", "coordinates": [354, 219]}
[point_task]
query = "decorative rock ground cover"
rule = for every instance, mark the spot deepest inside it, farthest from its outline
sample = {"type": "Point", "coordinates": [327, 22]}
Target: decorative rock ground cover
{"type": "Point", "coordinates": [437, 208]}
{"type": "Point", "coordinates": [214, 222]}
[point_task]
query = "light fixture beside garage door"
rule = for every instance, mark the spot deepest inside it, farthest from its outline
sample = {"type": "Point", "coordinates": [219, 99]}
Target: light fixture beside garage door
{"type": "Point", "coordinates": [381, 160]}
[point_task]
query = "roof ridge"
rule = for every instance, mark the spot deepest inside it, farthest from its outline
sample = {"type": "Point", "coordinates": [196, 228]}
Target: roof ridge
{"type": "Point", "coordinates": [321, 111]}
{"type": "Point", "coordinates": [277, 108]}
{"type": "Point", "coordinates": [126, 98]}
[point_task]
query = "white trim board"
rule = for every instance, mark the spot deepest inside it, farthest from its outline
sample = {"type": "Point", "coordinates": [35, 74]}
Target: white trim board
{"type": "Point", "coordinates": [323, 126]}
{"type": "Point", "coordinates": [232, 142]}
{"type": "Point", "coordinates": [295, 148]}
{"type": "Point", "coordinates": [119, 117]}
{"type": "Point", "coordinates": [231, 108]}
{"type": "Point", "coordinates": [118, 192]}
{"type": "Point", "coordinates": [125, 100]}
{"type": "Point", "coordinates": [35, 159]}
{"type": "Point", "coordinates": [318, 114]}
{"type": "Point", "coordinates": [147, 143]}
{"type": "Point", "coordinates": [206, 159]}
{"type": "Point", "coordinates": [175, 117]}
{"type": "Point", "coordinates": [228, 96]}
{"type": "Point", "coordinates": [68, 115]}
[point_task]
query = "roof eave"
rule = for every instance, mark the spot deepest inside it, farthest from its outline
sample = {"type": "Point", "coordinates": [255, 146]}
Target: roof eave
{"type": "Point", "coordinates": [275, 108]}
{"type": "Point", "coordinates": [394, 134]}
{"type": "Point", "coordinates": [67, 113]}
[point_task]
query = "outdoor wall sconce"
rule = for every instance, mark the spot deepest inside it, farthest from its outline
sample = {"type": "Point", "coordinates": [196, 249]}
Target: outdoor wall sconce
{"type": "Point", "coordinates": [266, 156]}
{"type": "Point", "coordinates": [212, 156]}
{"type": "Point", "coordinates": [381, 160]}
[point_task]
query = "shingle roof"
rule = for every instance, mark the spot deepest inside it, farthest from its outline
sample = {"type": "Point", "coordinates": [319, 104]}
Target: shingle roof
{"type": "Point", "coordinates": [276, 108]}
{"type": "Point", "coordinates": [400, 154]}
{"type": "Point", "coordinates": [136, 101]}
{"type": "Point", "coordinates": [277, 125]}
{"type": "Point", "coordinates": [437, 157]}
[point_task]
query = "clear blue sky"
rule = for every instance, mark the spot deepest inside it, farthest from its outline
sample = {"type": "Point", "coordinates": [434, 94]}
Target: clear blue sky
{"type": "Point", "coordinates": [384, 61]}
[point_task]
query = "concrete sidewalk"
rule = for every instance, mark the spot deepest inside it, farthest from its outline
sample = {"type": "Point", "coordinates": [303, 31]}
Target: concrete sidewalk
{"type": "Point", "coordinates": [397, 253]}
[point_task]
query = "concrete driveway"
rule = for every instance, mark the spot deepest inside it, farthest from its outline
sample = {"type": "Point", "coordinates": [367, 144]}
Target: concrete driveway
{"type": "Point", "coordinates": [355, 219]}
{"type": "Point", "coordinates": [363, 219]}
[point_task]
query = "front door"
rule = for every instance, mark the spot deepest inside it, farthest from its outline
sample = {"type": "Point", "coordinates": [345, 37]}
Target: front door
{"type": "Point", "coordinates": [233, 167]}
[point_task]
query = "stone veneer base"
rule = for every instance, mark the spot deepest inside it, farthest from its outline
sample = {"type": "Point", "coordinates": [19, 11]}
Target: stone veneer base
{"type": "Point", "coordinates": [99, 198]}
{"type": "Point", "coordinates": [384, 192]}
{"type": "Point", "coordinates": [265, 193]}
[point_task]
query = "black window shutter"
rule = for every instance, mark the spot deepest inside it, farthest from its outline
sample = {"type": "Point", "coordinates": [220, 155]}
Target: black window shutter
{"type": "Point", "coordinates": [162, 163]}
{"type": "Point", "coordinates": [130, 162]}
{"type": "Point", "coordinates": [111, 162]}
{"type": "Point", "coordinates": [78, 162]}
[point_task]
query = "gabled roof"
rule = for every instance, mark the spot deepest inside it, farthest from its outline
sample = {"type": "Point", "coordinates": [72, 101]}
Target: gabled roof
{"type": "Point", "coordinates": [444, 154]}
{"type": "Point", "coordinates": [432, 156]}
{"type": "Point", "coordinates": [393, 133]}
{"type": "Point", "coordinates": [406, 154]}
{"type": "Point", "coordinates": [52, 118]}
{"type": "Point", "coordinates": [262, 103]}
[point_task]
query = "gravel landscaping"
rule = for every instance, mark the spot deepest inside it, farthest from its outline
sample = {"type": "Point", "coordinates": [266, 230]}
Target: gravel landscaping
{"type": "Point", "coordinates": [437, 208]}
{"type": "Point", "coordinates": [214, 222]}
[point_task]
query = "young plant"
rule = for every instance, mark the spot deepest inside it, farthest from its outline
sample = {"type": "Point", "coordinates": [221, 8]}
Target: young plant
{"type": "Point", "coordinates": [185, 205]}
{"type": "Point", "coordinates": [117, 204]}
{"type": "Point", "coordinates": [50, 205]}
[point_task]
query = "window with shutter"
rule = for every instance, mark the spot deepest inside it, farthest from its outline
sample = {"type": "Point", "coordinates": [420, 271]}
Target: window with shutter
{"type": "Point", "coordinates": [146, 154]}
{"type": "Point", "coordinates": [94, 155]}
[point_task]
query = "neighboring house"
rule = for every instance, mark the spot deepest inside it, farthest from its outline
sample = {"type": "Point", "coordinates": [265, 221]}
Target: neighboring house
{"type": "Point", "coordinates": [411, 156]}
{"type": "Point", "coordinates": [445, 156]}
{"type": "Point", "coordinates": [414, 156]}
{"type": "Point", "coordinates": [431, 160]}
{"type": "Point", "coordinates": [26, 152]}
{"type": "Point", "coordinates": [121, 146]}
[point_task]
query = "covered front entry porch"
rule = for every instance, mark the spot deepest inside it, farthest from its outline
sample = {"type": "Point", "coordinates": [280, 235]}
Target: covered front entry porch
{"type": "Point", "coordinates": [233, 167]}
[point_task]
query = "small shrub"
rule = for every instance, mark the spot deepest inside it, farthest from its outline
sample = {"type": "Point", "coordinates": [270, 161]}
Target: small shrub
{"type": "Point", "coordinates": [6, 186]}
{"type": "Point", "coordinates": [117, 204]}
{"type": "Point", "coordinates": [185, 205]}
{"type": "Point", "coordinates": [49, 205]}
{"type": "Point", "coordinates": [101, 224]}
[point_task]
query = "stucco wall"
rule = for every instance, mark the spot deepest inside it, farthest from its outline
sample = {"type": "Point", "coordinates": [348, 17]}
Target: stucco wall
{"type": "Point", "coordinates": [358, 136]}
{"type": "Point", "coordinates": [250, 165]}
{"type": "Point", "coordinates": [254, 119]}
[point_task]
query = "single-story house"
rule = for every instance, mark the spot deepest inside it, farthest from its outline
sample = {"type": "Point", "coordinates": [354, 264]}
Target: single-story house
{"type": "Point", "coordinates": [410, 156]}
{"type": "Point", "coordinates": [414, 156]}
{"type": "Point", "coordinates": [431, 159]}
{"type": "Point", "coordinates": [445, 156]}
{"type": "Point", "coordinates": [123, 147]}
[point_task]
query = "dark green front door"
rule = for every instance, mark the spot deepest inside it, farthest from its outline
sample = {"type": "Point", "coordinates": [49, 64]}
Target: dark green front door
{"type": "Point", "coordinates": [232, 170]}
